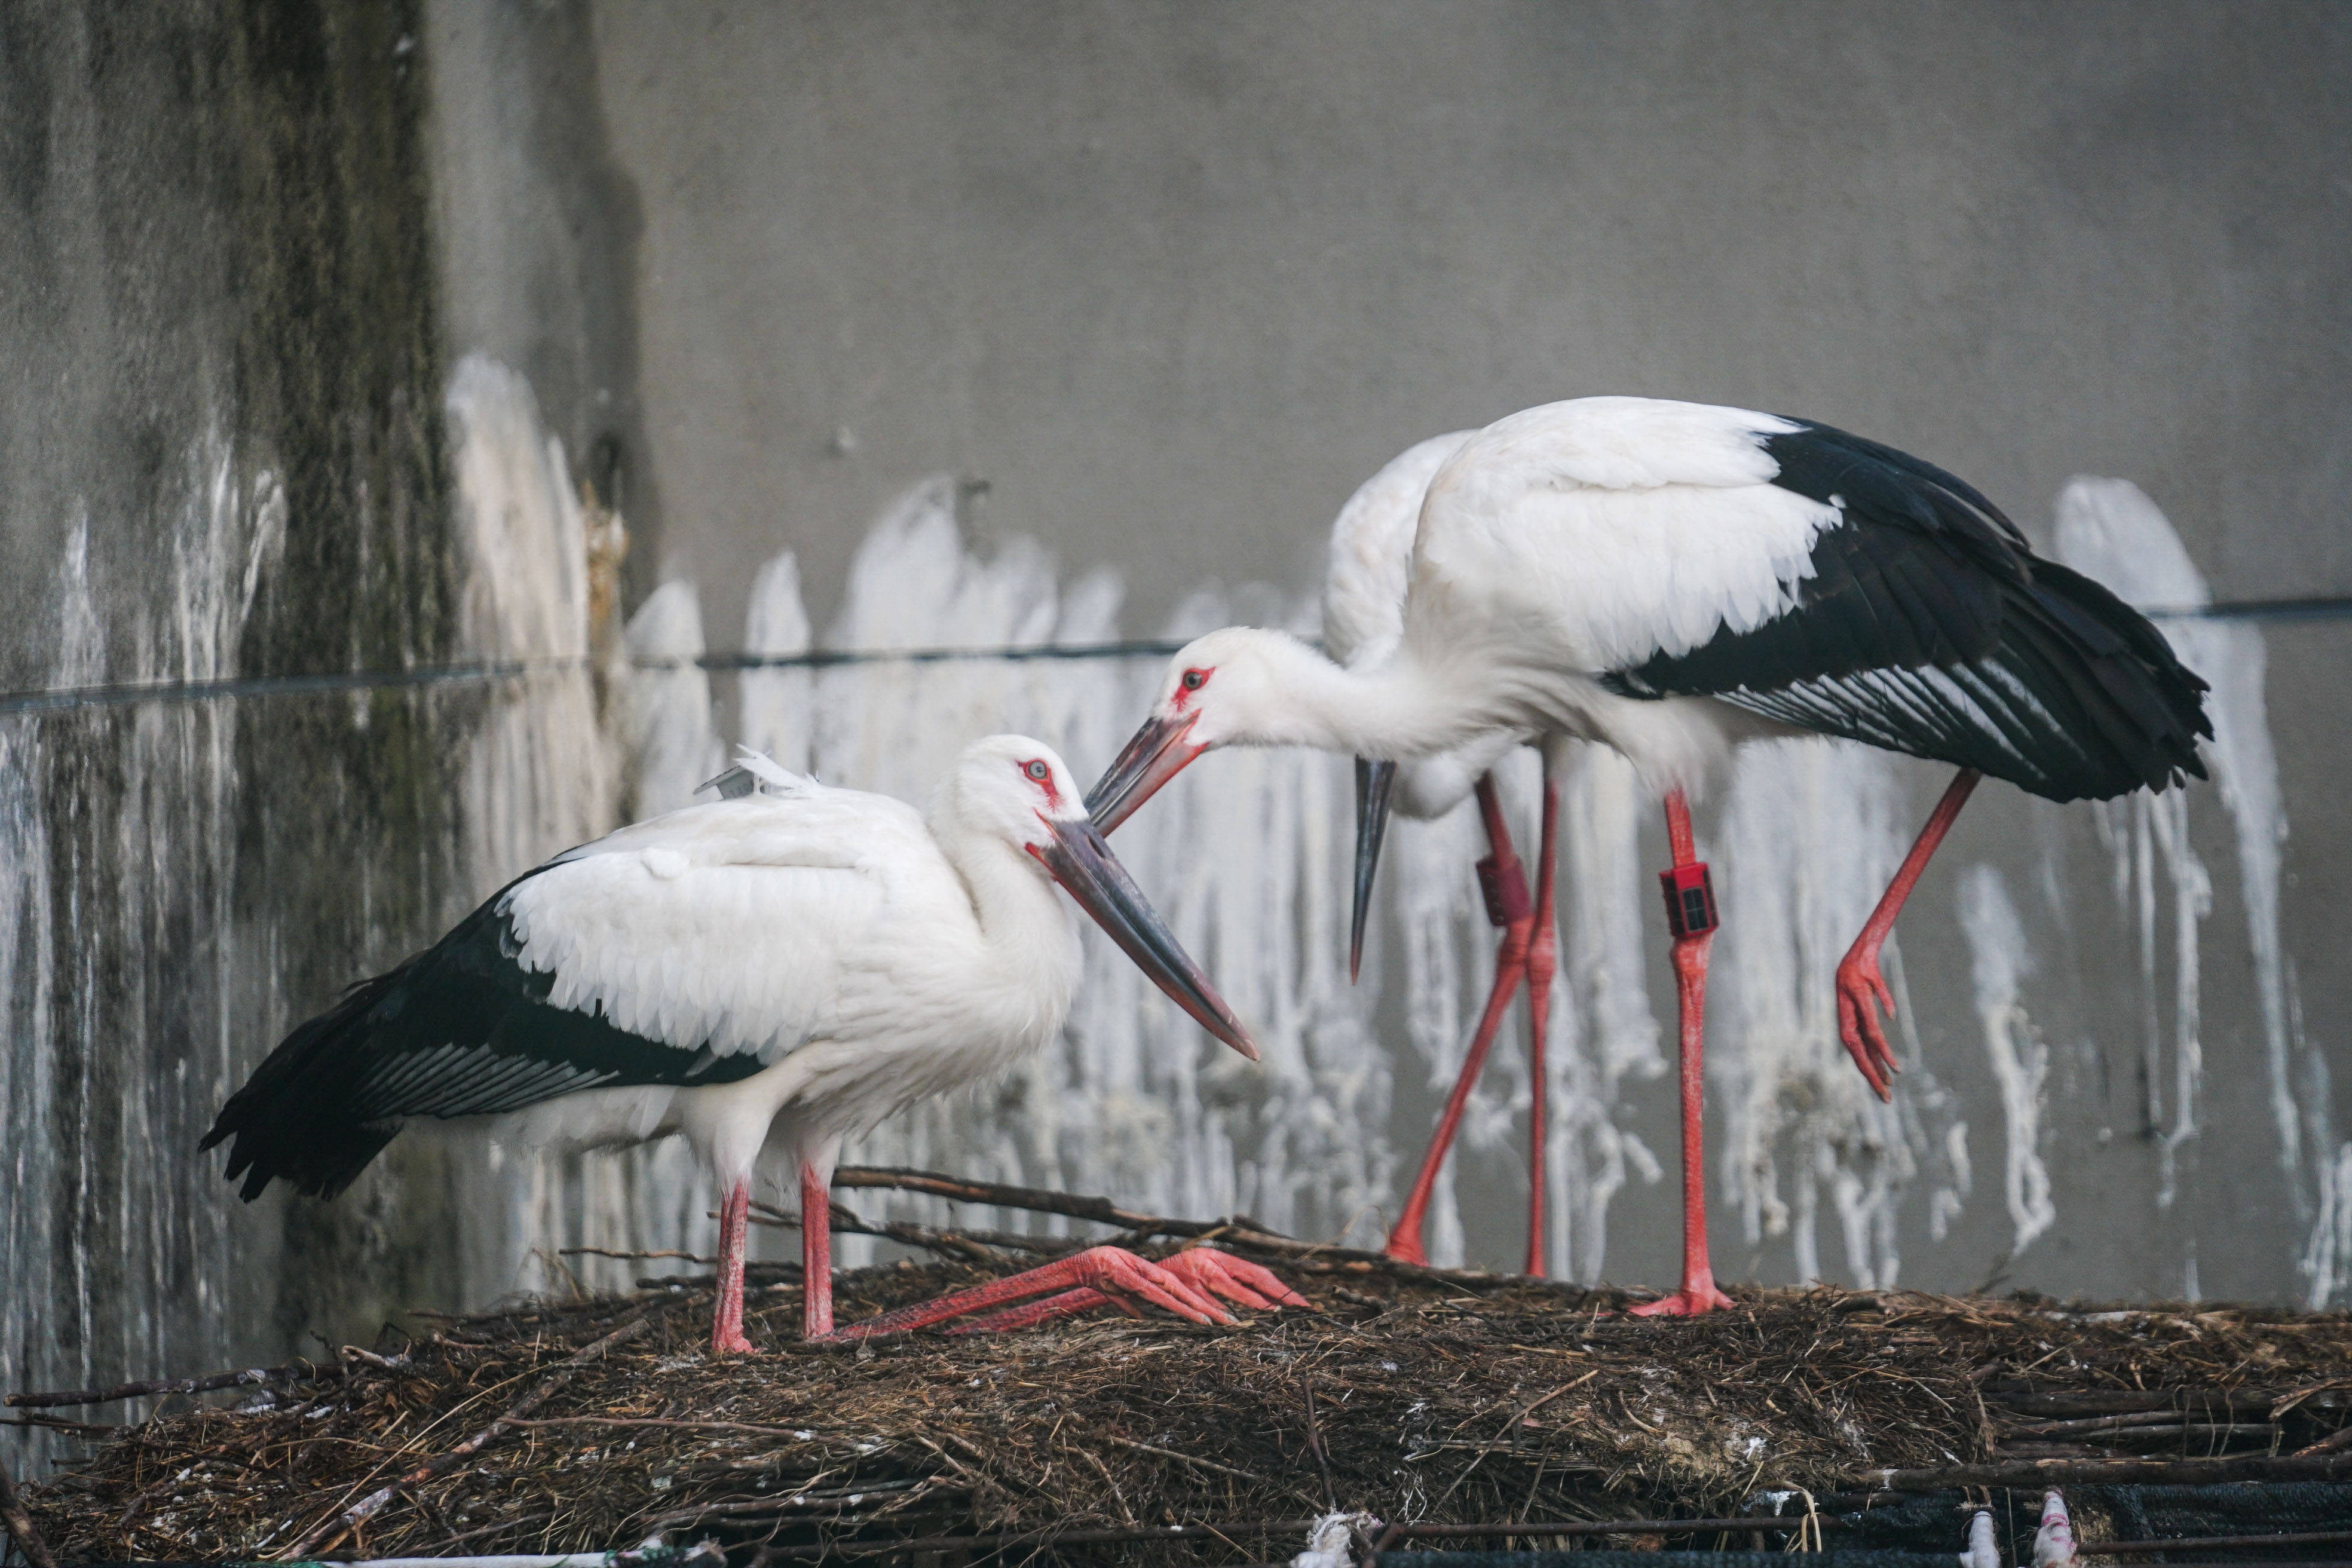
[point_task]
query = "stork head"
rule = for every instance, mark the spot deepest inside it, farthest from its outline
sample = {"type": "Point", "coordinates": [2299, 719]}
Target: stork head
{"type": "Point", "coordinates": [1240, 686]}
{"type": "Point", "coordinates": [1017, 788]}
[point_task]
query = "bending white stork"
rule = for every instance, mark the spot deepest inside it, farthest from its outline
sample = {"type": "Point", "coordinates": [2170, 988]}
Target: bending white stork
{"type": "Point", "coordinates": [1669, 578]}
{"type": "Point", "coordinates": [1371, 562]}
{"type": "Point", "coordinates": [765, 975]}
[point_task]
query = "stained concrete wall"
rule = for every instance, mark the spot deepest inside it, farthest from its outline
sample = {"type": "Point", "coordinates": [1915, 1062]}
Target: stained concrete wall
{"type": "Point", "coordinates": [220, 455]}
{"type": "Point", "coordinates": [1172, 278]}
{"type": "Point", "coordinates": [1175, 278]}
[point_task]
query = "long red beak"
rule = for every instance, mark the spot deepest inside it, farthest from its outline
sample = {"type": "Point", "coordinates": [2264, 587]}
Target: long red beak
{"type": "Point", "coordinates": [1156, 753]}
{"type": "Point", "coordinates": [1082, 863]}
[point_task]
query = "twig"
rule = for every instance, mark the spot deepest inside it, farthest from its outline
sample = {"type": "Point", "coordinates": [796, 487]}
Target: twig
{"type": "Point", "coordinates": [329, 1531]}
{"type": "Point", "coordinates": [1055, 1537]}
{"type": "Point", "coordinates": [799, 1432]}
{"type": "Point", "coordinates": [1091, 1457]}
{"type": "Point", "coordinates": [630, 1256]}
{"type": "Point", "coordinates": [2338, 1439]}
{"type": "Point", "coordinates": [1038, 1200]}
{"type": "Point", "coordinates": [803, 1500]}
{"type": "Point", "coordinates": [2120, 1472]}
{"type": "Point", "coordinates": [58, 1424]}
{"type": "Point", "coordinates": [1791, 1523]}
{"type": "Point", "coordinates": [1315, 1446]}
{"type": "Point", "coordinates": [2096, 1425]}
{"type": "Point", "coordinates": [1187, 1458]}
{"type": "Point", "coordinates": [1238, 1232]}
{"type": "Point", "coordinates": [972, 1246]}
{"type": "Point", "coordinates": [20, 1524]}
{"type": "Point", "coordinates": [1512, 1425]}
{"type": "Point", "coordinates": [166, 1385]}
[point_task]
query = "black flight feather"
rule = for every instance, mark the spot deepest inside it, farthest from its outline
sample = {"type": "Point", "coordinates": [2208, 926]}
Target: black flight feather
{"type": "Point", "coordinates": [461, 1029]}
{"type": "Point", "coordinates": [1929, 626]}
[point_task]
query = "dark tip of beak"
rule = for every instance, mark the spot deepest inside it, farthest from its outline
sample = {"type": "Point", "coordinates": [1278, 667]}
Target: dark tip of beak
{"type": "Point", "coordinates": [1082, 862]}
{"type": "Point", "coordinates": [1373, 782]}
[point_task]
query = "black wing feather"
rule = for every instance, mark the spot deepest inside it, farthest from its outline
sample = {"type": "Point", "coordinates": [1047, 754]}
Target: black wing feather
{"type": "Point", "coordinates": [1929, 626]}
{"type": "Point", "coordinates": [461, 1029]}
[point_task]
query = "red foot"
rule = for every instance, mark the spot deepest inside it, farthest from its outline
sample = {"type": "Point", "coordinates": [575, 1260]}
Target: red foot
{"type": "Point", "coordinates": [1105, 1270]}
{"type": "Point", "coordinates": [732, 1343]}
{"type": "Point", "coordinates": [1686, 1302]}
{"type": "Point", "coordinates": [1029, 1314]}
{"type": "Point", "coordinates": [1861, 994]}
{"type": "Point", "coordinates": [1238, 1280]}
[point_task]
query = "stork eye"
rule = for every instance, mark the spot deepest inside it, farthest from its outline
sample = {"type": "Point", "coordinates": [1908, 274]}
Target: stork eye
{"type": "Point", "coordinates": [1036, 770]}
{"type": "Point", "coordinates": [1195, 678]}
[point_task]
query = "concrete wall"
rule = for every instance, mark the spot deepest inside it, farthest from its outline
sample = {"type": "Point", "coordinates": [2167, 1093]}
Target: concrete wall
{"type": "Point", "coordinates": [1175, 278]}
{"type": "Point", "coordinates": [220, 455]}
{"type": "Point", "coordinates": [1172, 278]}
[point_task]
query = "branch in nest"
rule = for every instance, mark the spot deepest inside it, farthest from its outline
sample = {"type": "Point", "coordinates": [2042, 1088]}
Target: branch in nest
{"type": "Point", "coordinates": [631, 1257]}
{"type": "Point", "coordinates": [1239, 1231]}
{"type": "Point", "coordinates": [257, 1374]}
{"type": "Point", "coordinates": [987, 1247]}
{"type": "Point", "coordinates": [20, 1524]}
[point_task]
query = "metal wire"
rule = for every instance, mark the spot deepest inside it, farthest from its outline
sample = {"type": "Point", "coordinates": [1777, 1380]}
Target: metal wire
{"type": "Point", "coordinates": [51, 699]}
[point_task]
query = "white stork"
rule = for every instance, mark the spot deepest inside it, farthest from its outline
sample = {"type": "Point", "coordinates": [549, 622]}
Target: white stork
{"type": "Point", "coordinates": [1369, 562]}
{"type": "Point", "coordinates": [765, 974]}
{"type": "Point", "coordinates": [1668, 579]}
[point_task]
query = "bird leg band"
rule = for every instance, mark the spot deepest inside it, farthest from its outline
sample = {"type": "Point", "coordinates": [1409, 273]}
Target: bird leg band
{"type": "Point", "coordinates": [1690, 899]}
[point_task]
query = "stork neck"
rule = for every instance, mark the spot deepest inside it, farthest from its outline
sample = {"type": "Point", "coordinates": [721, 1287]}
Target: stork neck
{"type": "Point", "coordinates": [1403, 707]}
{"type": "Point", "coordinates": [1016, 907]}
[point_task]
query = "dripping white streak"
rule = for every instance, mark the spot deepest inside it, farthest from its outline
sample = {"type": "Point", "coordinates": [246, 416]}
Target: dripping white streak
{"type": "Point", "coordinates": [2000, 959]}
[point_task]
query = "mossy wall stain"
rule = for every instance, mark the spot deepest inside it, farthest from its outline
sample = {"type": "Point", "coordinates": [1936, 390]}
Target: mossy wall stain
{"type": "Point", "coordinates": [222, 454]}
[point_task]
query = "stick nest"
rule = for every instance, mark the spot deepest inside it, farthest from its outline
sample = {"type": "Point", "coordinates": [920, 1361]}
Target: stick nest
{"type": "Point", "coordinates": [1434, 1397]}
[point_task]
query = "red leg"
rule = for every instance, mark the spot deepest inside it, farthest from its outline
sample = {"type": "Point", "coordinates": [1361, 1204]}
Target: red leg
{"type": "Point", "coordinates": [1862, 990]}
{"type": "Point", "coordinates": [816, 1255]}
{"type": "Point", "coordinates": [1505, 883]}
{"type": "Point", "coordinates": [1690, 906]}
{"type": "Point", "coordinates": [1543, 962]}
{"type": "Point", "coordinates": [726, 1318]}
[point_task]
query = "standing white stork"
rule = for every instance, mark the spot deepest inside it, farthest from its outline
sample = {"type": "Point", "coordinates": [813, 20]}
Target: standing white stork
{"type": "Point", "coordinates": [1669, 578]}
{"type": "Point", "coordinates": [765, 974]}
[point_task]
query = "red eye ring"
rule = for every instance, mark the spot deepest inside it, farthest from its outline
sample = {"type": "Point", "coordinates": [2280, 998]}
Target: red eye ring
{"type": "Point", "coordinates": [1037, 769]}
{"type": "Point", "coordinates": [1195, 678]}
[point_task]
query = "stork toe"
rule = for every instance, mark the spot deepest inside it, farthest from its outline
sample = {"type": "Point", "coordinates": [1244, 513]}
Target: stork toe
{"type": "Point", "coordinates": [1238, 1280]}
{"type": "Point", "coordinates": [1112, 1271]}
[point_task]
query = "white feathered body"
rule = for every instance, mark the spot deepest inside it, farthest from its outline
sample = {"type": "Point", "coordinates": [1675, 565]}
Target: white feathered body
{"type": "Point", "coordinates": [827, 932]}
{"type": "Point", "coordinates": [1669, 578]}
{"type": "Point", "coordinates": [773, 972]}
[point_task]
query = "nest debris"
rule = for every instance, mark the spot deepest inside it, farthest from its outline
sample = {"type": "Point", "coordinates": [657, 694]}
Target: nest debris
{"type": "Point", "coordinates": [1408, 1395]}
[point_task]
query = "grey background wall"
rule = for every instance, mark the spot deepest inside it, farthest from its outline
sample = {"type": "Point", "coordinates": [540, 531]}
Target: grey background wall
{"type": "Point", "coordinates": [1176, 277]}
{"type": "Point", "coordinates": [1172, 278]}
{"type": "Point", "coordinates": [220, 455]}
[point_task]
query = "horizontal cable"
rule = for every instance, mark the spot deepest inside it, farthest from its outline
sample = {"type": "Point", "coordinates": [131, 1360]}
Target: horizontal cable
{"type": "Point", "coordinates": [826, 658]}
{"type": "Point", "coordinates": [269, 685]}
{"type": "Point", "coordinates": [63, 697]}
{"type": "Point", "coordinates": [2252, 610]}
